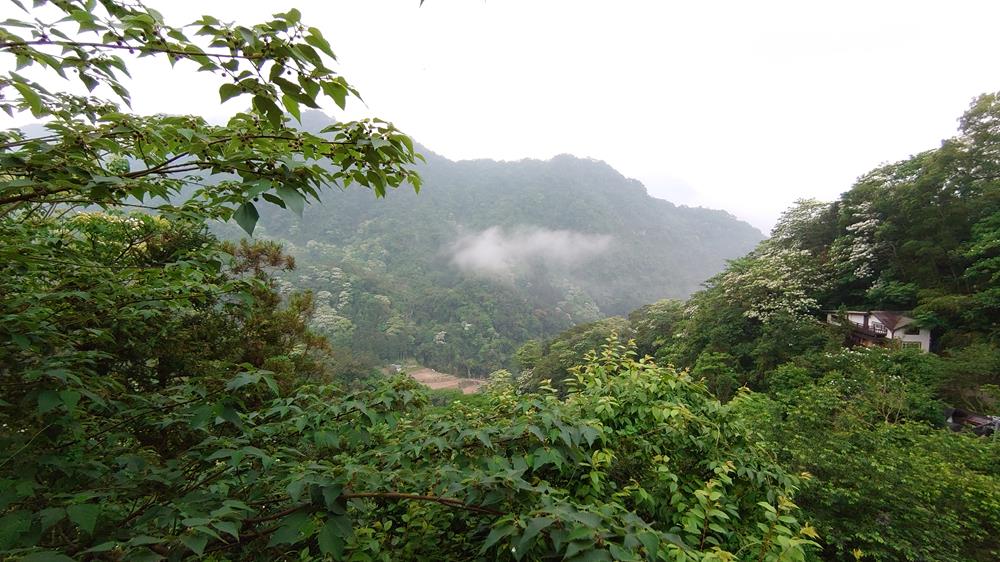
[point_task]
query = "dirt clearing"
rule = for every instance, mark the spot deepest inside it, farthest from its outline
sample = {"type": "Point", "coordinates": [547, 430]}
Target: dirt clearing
{"type": "Point", "coordinates": [435, 380]}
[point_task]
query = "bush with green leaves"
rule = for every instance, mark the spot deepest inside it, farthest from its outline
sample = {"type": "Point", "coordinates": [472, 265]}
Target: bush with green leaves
{"type": "Point", "coordinates": [120, 458]}
{"type": "Point", "coordinates": [552, 361]}
{"type": "Point", "coordinates": [884, 483]}
{"type": "Point", "coordinates": [638, 462]}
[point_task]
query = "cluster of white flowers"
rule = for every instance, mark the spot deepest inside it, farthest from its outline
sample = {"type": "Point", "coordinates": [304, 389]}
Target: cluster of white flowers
{"type": "Point", "coordinates": [862, 250]}
{"type": "Point", "coordinates": [321, 249]}
{"type": "Point", "coordinates": [336, 280]}
{"type": "Point", "coordinates": [777, 281]}
{"type": "Point", "coordinates": [795, 220]}
{"type": "Point", "coordinates": [326, 319]}
{"type": "Point", "coordinates": [130, 222]}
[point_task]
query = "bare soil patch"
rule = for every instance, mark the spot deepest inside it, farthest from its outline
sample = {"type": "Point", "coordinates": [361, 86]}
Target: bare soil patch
{"type": "Point", "coordinates": [434, 380]}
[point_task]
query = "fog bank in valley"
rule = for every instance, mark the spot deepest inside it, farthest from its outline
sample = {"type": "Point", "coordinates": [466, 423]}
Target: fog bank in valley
{"type": "Point", "coordinates": [500, 252]}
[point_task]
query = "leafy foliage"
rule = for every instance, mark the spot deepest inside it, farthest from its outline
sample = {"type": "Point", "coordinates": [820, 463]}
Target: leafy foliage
{"type": "Point", "coordinates": [165, 395]}
{"type": "Point", "coordinates": [557, 357]}
{"type": "Point", "coordinates": [93, 153]}
{"type": "Point", "coordinates": [880, 481]}
{"type": "Point", "coordinates": [163, 399]}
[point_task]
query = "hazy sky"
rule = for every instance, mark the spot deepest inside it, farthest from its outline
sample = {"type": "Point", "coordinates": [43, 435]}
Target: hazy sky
{"type": "Point", "coordinates": [744, 106]}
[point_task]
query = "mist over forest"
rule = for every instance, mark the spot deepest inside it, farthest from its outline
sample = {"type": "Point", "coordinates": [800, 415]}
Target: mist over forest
{"type": "Point", "coordinates": [490, 255]}
{"type": "Point", "coordinates": [500, 254]}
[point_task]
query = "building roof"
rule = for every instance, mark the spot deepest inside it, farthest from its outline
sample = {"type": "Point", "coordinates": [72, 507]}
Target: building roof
{"type": "Point", "coordinates": [891, 319]}
{"type": "Point", "coordinates": [900, 313]}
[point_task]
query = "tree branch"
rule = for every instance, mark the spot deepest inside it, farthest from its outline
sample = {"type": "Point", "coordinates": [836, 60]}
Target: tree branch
{"type": "Point", "coordinates": [130, 48]}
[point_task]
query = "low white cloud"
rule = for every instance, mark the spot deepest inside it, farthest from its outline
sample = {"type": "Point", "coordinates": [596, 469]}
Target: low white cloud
{"type": "Point", "coordinates": [501, 252]}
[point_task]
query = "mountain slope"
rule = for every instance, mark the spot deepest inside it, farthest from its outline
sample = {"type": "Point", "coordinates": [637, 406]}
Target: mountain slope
{"type": "Point", "coordinates": [495, 253]}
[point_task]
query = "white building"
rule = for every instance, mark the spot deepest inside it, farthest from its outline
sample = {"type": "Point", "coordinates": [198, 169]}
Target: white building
{"type": "Point", "coordinates": [875, 327]}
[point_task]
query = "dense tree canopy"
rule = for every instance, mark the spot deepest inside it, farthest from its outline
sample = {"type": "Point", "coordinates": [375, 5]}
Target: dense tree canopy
{"type": "Point", "coordinates": [170, 395]}
{"type": "Point", "coordinates": [163, 400]}
{"type": "Point", "coordinates": [884, 480]}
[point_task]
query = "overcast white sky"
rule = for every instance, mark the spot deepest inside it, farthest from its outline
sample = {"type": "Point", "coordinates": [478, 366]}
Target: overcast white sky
{"type": "Point", "coordinates": [744, 106]}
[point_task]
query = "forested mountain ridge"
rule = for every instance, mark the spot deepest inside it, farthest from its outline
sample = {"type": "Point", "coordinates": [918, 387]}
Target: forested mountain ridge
{"type": "Point", "coordinates": [492, 254]}
{"type": "Point", "coordinates": [680, 247]}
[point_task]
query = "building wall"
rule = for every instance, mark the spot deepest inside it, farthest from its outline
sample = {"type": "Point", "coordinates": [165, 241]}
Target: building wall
{"type": "Point", "coordinates": [923, 338]}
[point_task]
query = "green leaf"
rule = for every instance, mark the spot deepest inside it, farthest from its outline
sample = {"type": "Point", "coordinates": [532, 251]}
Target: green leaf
{"type": "Point", "coordinates": [291, 531]}
{"type": "Point", "coordinates": [84, 515]}
{"type": "Point", "coordinates": [33, 100]}
{"type": "Point", "coordinates": [50, 516]}
{"type": "Point", "coordinates": [575, 548]}
{"type": "Point", "coordinates": [292, 198]}
{"type": "Point", "coordinates": [242, 379]}
{"type": "Point", "coordinates": [144, 555]}
{"type": "Point", "coordinates": [339, 95]}
{"type": "Point", "coordinates": [594, 556]}
{"type": "Point", "coordinates": [70, 398]}
{"type": "Point", "coordinates": [530, 532]}
{"type": "Point", "coordinates": [258, 188]}
{"type": "Point", "coordinates": [195, 542]}
{"type": "Point", "coordinates": [230, 415]}
{"type": "Point", "coordinates": [329, 543]}
{"type": "Point", "coordinates": [495, 535]}
{"type": "Point", "coordinates": [650, 542]}
{"type": "Point", "coordinates": [266, 105]}
{"type": "Point", "coordinates": [48, 400]}
{"type": "Point", "coordinates": [202, 415]}
{"type": "Point", "coordinates": [273, 199]}
{"type": "Point", "coordinates": [332, 536]}
{"type": "Point", "coordinates": [229, 91]}
{"type": "Point", "coordinates": [12, 526]}
{"type": "Point", "coordinates": [619, 553]}
{"type": "Point", "coordinates": [246, 216]}
{"type": "Point", "coordinates": [292, 106]}
{"type": "Point", "coordinates": [331, 495]}
{"type": "Point", "coordinates": [229, 527]}
{"type": "Point", "coordinates": [316, 39]}
{"type": "Point", "coordinates": [143, 539]}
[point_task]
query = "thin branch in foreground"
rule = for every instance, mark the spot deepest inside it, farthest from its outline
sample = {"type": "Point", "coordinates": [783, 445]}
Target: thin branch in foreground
{"type": "Point", "coordinates": [130, 48]}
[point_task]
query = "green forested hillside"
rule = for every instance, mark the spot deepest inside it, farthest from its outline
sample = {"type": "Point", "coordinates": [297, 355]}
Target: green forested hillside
{"type": "Point", "coordinates": [547, 244]}
{"type": "Point", "coordinates": [883, 479]}
{"type": "Point", "coordinates": [170, 395]}
{"type": "Point", "coordinates": [164, 399]}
